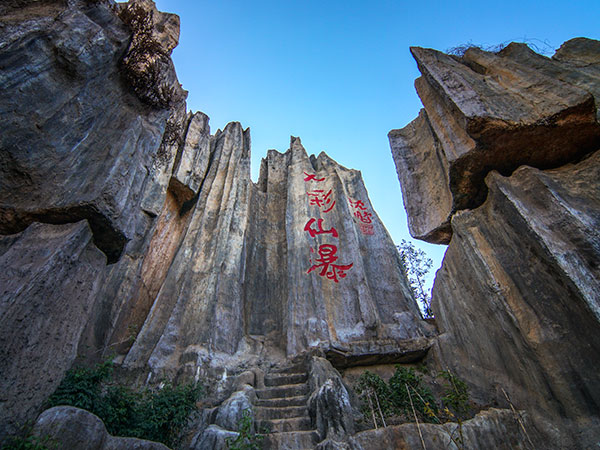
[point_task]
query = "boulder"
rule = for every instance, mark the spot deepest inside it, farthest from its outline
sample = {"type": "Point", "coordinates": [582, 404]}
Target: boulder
{"type": "Point", "coordinates": [77, 429]}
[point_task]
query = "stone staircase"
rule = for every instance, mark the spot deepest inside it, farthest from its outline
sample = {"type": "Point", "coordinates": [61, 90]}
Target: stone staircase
{"type": "Point", "coordinates": [281, 409]}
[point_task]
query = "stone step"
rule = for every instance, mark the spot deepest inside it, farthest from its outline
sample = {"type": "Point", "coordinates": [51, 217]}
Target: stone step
{"type": "Point", "coordinates": [289, 390]}
{"type": "Point", "coordinates": [299, 400]}
{"type": "Point", "coordinates": [296, 440]}
{"type": "Point", "coordinates": [296, 368]}
{"type": "Point", "coordinates": [287, 412]}
{"type": "Point", "coordinates": [284, 425]}
{"type": "Point", "coordinates": [279, 379]}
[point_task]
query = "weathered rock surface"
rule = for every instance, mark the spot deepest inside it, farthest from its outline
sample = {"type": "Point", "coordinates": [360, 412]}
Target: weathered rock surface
{"type": "Point", "coordinates": [49, 278]}
{"type": "Point", "coordinates": [489, 111]}
{"type": "Point", "coordinates": [74, 142]}
{"type": "Point", "coordinates": [77, 429]}
{"type": "Point", "coordinates": [329, 404]}
{"type": "Point", "coordinates": [524, 269]}
{"type": "Point", "coordinates": [245, 262]}
{"type": "Point", "coordinates": [491, 429]}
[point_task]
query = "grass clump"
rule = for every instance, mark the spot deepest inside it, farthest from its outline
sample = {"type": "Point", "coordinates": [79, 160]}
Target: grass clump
{"type": "Point", "coordinates": [154, 414]}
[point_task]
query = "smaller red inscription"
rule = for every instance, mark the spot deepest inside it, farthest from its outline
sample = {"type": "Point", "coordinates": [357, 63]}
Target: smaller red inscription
{"type": "Point", "coordinates": [312, 177]}
{"type": "Point", "coordinates": [364, 217]}
{"type": "Point", "coordinates": [366, 228]}
{"type": "Point", "coordinates": [321, 199]}
{"type": "Point", "coordinates": [357, 204]}
{"type": "Point", "coordinates": [325, 262]}
{"type": "Point", "coordinates": [319, 230]}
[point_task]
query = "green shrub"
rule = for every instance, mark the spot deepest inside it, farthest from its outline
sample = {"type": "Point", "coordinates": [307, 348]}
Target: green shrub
{"type": "Point", "coordinates": [246, 439]}
{"type": "Point", "coordinates": [157, 415]}
{"type": "Point", "coordinates": [81, 387]}
{"type": "Point", "coordinates": [421, 396]}
{"type": "Point", "coordinates": [392, 399]}
{"type": "Point", "coordinates": [456, 395]}
{"type": "Point", "coordinates": [30, 442]}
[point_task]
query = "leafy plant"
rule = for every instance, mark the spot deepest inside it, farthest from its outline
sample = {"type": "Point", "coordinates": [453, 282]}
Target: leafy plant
{"type": "Point", "coordinates": [416, 266]}
{"type": "Point", "coordinates": [81, 387]}
{"type": "Point", "coordinates": [246, 439]}
{"type": "Point", "coordinates": [405, 381]}
{"type": "Point", "coordinates": [30, 442]}
{"type": "Point", "coordinates": [157, 415]}
{"type": "Point", "coordinates": [456, 394]}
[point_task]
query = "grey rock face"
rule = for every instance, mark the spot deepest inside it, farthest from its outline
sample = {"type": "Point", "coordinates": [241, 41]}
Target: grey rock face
{"type": "Point", "coordinates": [231, 411]}
{"type": "Point", "coordinates": [214, 438]}
{"type": "Point", "coordinates": [77, 429]}
{"type": "Point", "coordinates": [250, 259]}
{"type": "Point", "coordinates": [531, 251]}
{"type": "Point", "coordinates": [329, 404]}
{"type": "Point", "coordinates": [75, 143]}
{"type": "Point", "coordinates": [192, 161]}
{"type": "Point", "coordinates": [495, 428]}
{"type": "Point", "coordinates": [489, 111]}
{"type": "Point", "coordinates": [49, 279]}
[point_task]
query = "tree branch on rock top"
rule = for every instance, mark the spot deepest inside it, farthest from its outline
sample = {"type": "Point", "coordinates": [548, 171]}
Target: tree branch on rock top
{"type": "Point", "coordinates": [416, 266]}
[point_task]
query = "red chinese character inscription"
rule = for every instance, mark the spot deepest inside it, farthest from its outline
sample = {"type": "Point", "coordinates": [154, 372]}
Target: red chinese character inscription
{"type": "Point", "coordinates": [325, 262]}
{"type": "Point", "coordinates": [312, 177]}
{"type": "Point", "coordinates": [321, 199]}
{"type": "Point", "coordinates": [319, 230]}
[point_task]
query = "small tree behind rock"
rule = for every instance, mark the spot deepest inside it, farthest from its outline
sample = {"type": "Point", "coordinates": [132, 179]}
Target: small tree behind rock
{"type": "Point", "coordinates": [416, 266]}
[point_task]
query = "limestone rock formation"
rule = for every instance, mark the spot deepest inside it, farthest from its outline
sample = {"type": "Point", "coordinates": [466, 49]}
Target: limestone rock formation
{"type": "Point", "coordinates": [149, 230]}
{"type": "Point", "coordinates": [532, 252]}
{"type": "Point", "coordinates": [488, 111]}
{"type": "Point", "coordinates": [77, 429]}
{"type": "Point", "coordinates": [49, 277]}
{"type": "Point", "coordinates": [127, 228]}
{"type": "Point", "coordinates": [516, 300]}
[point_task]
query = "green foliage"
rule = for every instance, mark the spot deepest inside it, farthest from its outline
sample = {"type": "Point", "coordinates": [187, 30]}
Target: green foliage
{"type": "Point", "coordinates": [406, 380]}
{"type": "Point", "coordinates": [30, 442]}
{"type": "Point", "coordinates": [376, 395]}
{"type": "Point", "coordinates": [246, 439]}
{"type": "Point", "coordinates": [381, 400]}
{"type": "Point", "coordinates": [456, 395]}
{"type": "Point", "coordinates": [81, 387]}
{"type": "Point", "coordinates": [157, 415]}
{"type": "Point", "coordinates": [416, 266]}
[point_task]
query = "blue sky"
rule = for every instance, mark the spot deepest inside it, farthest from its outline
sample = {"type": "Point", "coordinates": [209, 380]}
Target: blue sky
{"type": "Point", "coordinates": [339, 73]}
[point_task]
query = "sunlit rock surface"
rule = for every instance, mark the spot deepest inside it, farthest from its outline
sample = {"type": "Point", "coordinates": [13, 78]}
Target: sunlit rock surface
{"type": "Point", "coordinates": [486, 111]}
{"type": "Point", "coordinates": [503, 164]}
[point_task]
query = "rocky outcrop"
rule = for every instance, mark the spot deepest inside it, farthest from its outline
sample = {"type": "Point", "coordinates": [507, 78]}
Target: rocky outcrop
{"type": "Point", "coordinates": [49, 277]}
{"type": "Point", "coordinates": [496, 428]}
{"type": "Point", "coordinates": [77, 429]}
{"type": "Point", "coordinates": [516, 298]}
{"type": "Point", "coordinates": [329, 405]}
{"type": "Point", "coordinates": [487, 111]}
{"type": "Point", "coordinates": [532, 252]}
{"type": "Point", "coordinates": [252, 255]}
{"type": "Point", "coordinates": [75, 143]}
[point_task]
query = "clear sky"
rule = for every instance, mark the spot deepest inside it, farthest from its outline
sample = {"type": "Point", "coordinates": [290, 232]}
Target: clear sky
{"type": "Point", "coordinates": [339, 73]}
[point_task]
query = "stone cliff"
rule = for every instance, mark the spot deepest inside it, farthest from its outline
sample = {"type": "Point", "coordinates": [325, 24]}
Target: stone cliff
{"type": "Point", "coordinates": [503, 164]}
{"type": "Point", "coordinates": [128, 229]}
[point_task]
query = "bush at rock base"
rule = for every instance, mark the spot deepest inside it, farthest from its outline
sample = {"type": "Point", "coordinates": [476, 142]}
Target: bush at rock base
{"type": "Point", "coordinates": [153, 414]}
